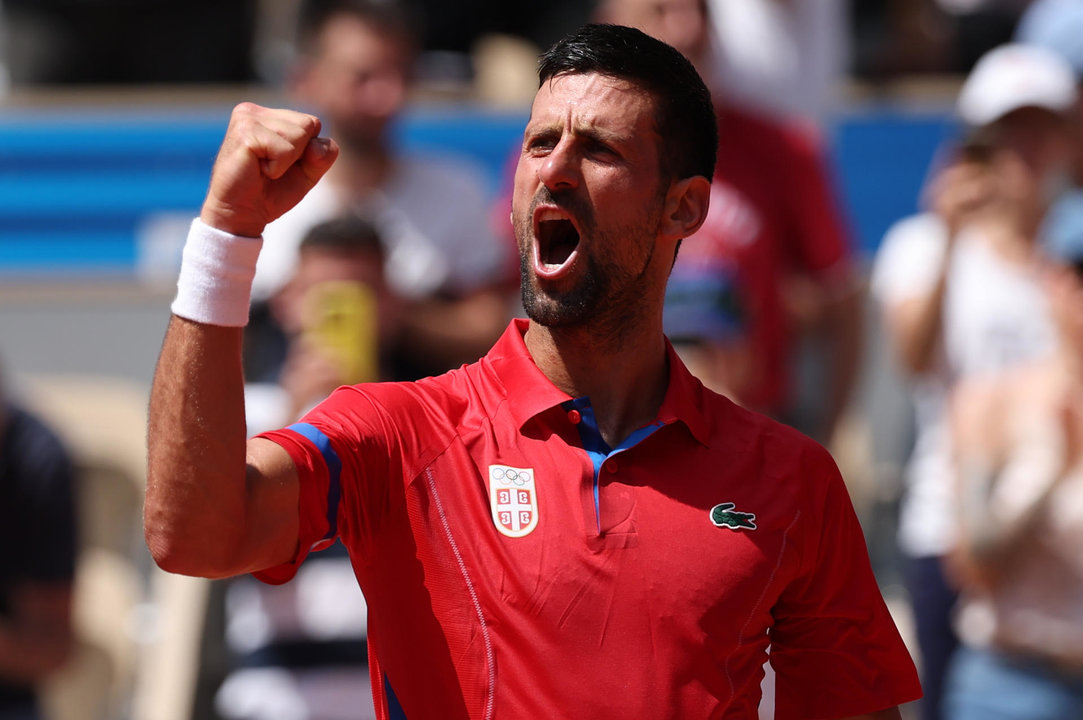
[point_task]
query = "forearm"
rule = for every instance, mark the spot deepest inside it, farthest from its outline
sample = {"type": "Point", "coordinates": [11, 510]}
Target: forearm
{"type": "Point", "coordinates": [217, 505]}
{"type": "Point", "coordinates": [196, 485]}
{"type": "Point", "coordinates": [1000, 506]}
{"type": "Point", "coordinates": [918, 328]}
{"type": "Point", "coordinates": [845, 338]}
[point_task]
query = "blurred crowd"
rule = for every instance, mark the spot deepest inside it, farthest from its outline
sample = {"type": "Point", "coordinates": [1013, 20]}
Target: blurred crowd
{"type": "Point", "coordinates": [398, 266]}
{"type": "Point", "coordinates": [765, 45]}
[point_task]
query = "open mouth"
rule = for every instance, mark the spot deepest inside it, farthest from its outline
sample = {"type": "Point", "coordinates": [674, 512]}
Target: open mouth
{"type": "Point", "coordinates": [557, 242]}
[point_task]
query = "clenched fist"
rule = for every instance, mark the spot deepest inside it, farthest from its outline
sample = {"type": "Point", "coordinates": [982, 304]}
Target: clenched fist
{"type": "Point", "coordinates": [268, 160]}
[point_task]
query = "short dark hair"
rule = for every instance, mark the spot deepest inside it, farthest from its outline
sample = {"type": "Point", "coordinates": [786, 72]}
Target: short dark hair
{"type": "Point", "coordinates": [351, 233]}
{"type": "Point", "coordinates": [394, 17]}
{"type": "Point", "coordinates": [685, 116]}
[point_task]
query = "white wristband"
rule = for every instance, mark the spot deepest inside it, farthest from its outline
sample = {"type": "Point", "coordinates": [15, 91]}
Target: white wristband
{"type": "Point", "coordinates": [215, 283]}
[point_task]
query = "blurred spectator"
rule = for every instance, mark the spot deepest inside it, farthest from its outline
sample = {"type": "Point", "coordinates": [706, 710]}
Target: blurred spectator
{"type": "Point", "coordinates": [333, 323]}
{"type": "Point", "coordinates": [775, 224]}
{"type": "Point", "coordinates": [980, 25]}
{"type": "Point", "coordinates": [1019, 447]}
{"type": "Point", "coordinates": [456, 27]}
{"type": "Point", "coordinates": [1058, 26]}
{"type": "Point", "coordinates": [705, 320]}
{"type": "Point", "coordinates": [782, 56]}
{"type": "Point", "coordinates": [960, 295]}
{"type": "Point", "coordinates": [908, 37]}
{"type": "Point", "coordinates": [354, 71]}
{"type": "Point", "coordinates": [37, 530]}
{"type": "Point", "coordinates": [128, 41]}
{"type": "Point", "coordinates": [899, 37]}
{"type": "Point", "coordinates": [300, 648]}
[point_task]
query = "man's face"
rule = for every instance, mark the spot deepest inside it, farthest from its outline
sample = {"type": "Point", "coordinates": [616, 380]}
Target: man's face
{"type": "Point", "coordinates": [358, 80]}
{"type": "Point", "coordinates": [588, 202]}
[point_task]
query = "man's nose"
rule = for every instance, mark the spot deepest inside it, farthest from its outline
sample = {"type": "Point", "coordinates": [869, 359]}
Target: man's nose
{"type": "Point", "coordinates": [560, 168]}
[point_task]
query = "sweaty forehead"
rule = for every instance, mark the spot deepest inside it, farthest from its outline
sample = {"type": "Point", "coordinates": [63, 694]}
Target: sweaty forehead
{"type": "Point", "coordinates": [593, 101]}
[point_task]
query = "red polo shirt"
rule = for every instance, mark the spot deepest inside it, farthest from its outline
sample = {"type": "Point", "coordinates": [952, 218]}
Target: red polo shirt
{"type": "Point", "coordinates": [515, 567]}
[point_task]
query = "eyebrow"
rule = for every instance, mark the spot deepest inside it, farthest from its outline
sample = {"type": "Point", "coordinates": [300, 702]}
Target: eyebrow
{"type": "Point", "coordinates": [590, 133]}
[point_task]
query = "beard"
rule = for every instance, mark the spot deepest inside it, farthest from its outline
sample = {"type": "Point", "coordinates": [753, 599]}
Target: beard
{"type": "Point", "coordinates": [608, 294]}
{"type": "Point", "coordinates": [563, 309]}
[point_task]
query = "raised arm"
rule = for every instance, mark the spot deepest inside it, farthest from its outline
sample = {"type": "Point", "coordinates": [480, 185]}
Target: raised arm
{"type": "Point", "coordinates": [957, 194]}
{"type": "Point", "coordinates": [216, 505]}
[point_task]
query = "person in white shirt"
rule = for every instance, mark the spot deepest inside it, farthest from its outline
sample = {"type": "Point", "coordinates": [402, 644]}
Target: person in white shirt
{"type": "Point", "coordinates": [960, 295]}
{"type": "Point", "coordinates": [442, 257]}
{"type": "Point", "coordinates": [1019, 453]}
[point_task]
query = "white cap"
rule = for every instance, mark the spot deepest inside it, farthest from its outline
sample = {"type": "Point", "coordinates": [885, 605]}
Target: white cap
{"type": "Point", "coordinates": [1016, 76]}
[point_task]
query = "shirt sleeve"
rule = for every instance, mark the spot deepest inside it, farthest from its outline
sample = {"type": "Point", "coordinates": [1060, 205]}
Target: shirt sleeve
{"type": "Point", "coordinates": [834, 647]}
{"type": "Point", "coordinates": [907, 263]}
{"type": "Point", "coordinates": [340, 450]}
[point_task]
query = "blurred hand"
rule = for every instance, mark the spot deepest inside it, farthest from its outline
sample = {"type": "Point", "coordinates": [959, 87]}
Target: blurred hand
{"type": "Point", "coordinates": [961, 192]}
{"type": "Point", "coordinates": [268, 160]}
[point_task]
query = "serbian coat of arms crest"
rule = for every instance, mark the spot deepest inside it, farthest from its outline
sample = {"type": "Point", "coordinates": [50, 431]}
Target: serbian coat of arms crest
{"type": "Point", "coordinates": [513, 499]}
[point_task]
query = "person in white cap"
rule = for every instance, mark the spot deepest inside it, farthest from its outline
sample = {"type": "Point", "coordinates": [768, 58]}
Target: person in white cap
{"type": "Point", "coordinates": [960, 297]}
{"type": "Point", "coordinates": [1019, 451]}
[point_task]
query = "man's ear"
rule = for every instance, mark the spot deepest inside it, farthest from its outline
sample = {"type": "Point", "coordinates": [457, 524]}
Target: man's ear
{"type": "Point", "coordinates": [686, 206]}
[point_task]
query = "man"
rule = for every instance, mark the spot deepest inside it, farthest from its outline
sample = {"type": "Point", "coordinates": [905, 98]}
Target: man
{"type": "Point", "coordinates": [776, 227]}
{"type": "Point", "coordinates": [354, 71]}
{"type": "Point", "coordinates": [572, 526]}
{"type": "Point", "coordinates": [1019, 453]}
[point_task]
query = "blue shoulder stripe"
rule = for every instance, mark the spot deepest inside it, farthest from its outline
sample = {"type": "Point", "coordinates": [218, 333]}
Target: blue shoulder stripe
{"type": "Point", "coordinates": [334, 470]}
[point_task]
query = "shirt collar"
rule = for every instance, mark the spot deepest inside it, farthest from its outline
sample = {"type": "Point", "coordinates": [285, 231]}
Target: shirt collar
{"type": "Point", "coordinates": [529, 393]}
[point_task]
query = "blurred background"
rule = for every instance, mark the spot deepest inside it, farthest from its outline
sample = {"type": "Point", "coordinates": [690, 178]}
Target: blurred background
{"type": "Point", "coordinates": [111, 112]}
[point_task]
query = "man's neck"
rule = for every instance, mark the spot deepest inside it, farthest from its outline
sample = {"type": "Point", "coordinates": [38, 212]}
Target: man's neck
{"type": "Point", "coordinates": [625, 379]}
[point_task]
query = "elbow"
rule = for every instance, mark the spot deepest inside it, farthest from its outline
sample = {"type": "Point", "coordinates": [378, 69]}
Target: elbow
{"type": "Point", "coordinates": [184, 552]}
{"type": "Point", "coordinates": [166, 553]}
{"type": "Point", "coordinates": [183, 541]}
{"type": "Point", "coordinates": [173, 558]}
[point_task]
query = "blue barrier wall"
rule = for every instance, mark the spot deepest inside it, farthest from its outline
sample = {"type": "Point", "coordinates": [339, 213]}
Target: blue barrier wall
{"type": "Point", "coordinates": [75, 186]}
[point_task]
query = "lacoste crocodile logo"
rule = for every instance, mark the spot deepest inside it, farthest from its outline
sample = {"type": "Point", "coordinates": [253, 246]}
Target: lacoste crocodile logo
{"type": "Point", "coordinates": [723, 515]}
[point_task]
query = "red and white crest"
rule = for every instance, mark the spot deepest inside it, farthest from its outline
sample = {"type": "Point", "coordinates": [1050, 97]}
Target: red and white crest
{"type": "Point", "coordinates": [513, 499]}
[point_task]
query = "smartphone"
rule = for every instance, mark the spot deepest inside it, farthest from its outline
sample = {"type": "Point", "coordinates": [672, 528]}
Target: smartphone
{"type": "Point", "coordinates": [342, 318]}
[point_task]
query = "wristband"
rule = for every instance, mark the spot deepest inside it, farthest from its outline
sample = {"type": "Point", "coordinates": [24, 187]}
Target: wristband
{"type": "Point", "coordinates": [215, 283]}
